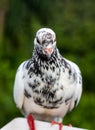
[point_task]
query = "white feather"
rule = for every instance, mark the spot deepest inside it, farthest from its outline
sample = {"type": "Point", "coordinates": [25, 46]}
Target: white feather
{"type": "Point", "coordinates": [19, 87]}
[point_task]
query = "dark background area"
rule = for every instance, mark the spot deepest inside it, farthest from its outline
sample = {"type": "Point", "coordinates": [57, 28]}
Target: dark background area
{"type": "Point", "coordinates": [74, 24]}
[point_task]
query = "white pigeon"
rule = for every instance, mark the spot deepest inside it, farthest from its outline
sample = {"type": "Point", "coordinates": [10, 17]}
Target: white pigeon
{"type": "Point", "coordinates": [47, 85]}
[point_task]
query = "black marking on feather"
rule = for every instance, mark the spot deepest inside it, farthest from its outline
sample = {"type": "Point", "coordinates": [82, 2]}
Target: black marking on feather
{"type": "Point", "coordinates": [51, 104]}
{"type": "Point", "coordinates": [33, 86]}
{"type": "Point", "coordinates": [46, 67]}
{"type": "Point", "coordinates": [38, 101]}
{"type": "Point", "coordinates": [75, 76]}
{"type": "Point", "coordinates": [53, 68]}
{"type": "Point", "coordinates": [49, 80]}
{"type": "Point", "coordinates": [37, 70]}
{"type": "Point", "coordinates": [58, 74]}
{"type": "Point", "coordinates": [47, 97]}
{"type": "Point", "coordinates": [58, 101]}
{"type": "Point", "coordinates": [47, 93]}
{"type": "Point", "coordinates": [27, 94]}
{"type": "Point", "coordinates": [70, 72]}
{"type": "Point", "coordinates": [67, 100]}
{"type": "Point", "coordinates": [36, 91]}
{"type": "Point", "coordinates": [50, 107]}
{"type": "Point", "coordinates": [66, 66]}
{"type": "Point", "coordinates": [38, 40]}
{"type": "Point", "coordinates": [63, 69]}
{"type": "Point", "coordinates": [29, 63]}
{"type": "Point", "coordinates": [30, 71]}
{"type": "Point", "coordinates": [80, 79]}
{"type": "Point", "coordinates": [75, 103]}
{"type": "Point", "coordinates": [50, 62]}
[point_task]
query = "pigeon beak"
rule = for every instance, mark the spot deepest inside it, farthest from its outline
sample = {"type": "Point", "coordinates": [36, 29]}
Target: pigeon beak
{"type": "Point", "coordinates": [48, 51]}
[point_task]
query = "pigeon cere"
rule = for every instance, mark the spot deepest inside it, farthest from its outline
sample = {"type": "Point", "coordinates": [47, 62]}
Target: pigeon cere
{"type": "Point", "coordinates": [47, 86]}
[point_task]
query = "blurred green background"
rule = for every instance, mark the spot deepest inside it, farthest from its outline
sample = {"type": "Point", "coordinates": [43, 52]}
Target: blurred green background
{"type": "Point", "coordinates": [74, 24]}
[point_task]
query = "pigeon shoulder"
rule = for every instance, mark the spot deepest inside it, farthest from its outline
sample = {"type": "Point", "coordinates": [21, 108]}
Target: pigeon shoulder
{"type": "Point", "coordinates": [74, 65]}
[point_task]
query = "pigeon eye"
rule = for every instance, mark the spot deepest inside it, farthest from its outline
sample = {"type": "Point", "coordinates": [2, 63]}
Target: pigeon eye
{"type": "Point", "coordinates": [38, 41]}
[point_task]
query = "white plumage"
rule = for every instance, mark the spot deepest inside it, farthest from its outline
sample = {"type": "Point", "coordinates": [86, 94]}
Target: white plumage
{"type": "Point", "coordinates": [47, 85]}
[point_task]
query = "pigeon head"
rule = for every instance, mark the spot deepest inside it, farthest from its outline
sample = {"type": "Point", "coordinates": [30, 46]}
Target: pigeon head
{"type": "Point", "coordinates": [45, 42]}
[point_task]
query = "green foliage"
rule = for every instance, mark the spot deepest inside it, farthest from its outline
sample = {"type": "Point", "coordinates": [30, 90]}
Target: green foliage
{"type": "Point", "coordinates": [74, 24]}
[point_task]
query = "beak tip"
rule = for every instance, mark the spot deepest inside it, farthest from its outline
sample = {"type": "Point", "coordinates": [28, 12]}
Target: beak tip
{"type": "Point", "coordinates": [48, 51]}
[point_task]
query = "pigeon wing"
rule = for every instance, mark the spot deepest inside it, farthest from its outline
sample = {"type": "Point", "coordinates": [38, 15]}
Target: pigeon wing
{"type": "Point", "coordinates": [78, 86]}
{"type": "Point", "coordinates": [19, 87]}
{"type": "Point", "coordinates": [72, 96]}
